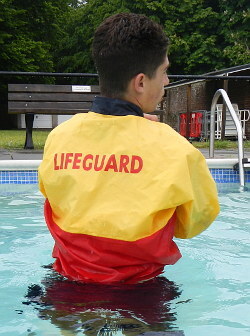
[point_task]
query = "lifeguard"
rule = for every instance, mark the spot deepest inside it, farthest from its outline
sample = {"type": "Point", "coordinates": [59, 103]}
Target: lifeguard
{"type": "Point", "coordinates": [120, 187]}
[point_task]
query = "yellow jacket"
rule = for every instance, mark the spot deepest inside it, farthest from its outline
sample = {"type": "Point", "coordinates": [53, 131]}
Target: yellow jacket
{"type": "Point", "coordinates": [123, 179]}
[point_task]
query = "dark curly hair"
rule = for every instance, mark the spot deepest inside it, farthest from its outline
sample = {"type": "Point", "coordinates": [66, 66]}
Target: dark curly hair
{"type": "Point", "coordinates": [125, 45]}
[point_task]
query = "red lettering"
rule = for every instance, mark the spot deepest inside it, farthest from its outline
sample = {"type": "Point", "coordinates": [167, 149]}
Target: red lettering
{"type": "Point", "coordinates": [84, 162]}
{"type": "Point", "coordinates": [136, 160]}
{"type": "Point", "coordinates": [127, 164]}
{"type": "Point", "coordinates": [55, 163]}
{"type": "Point", "coordinates": [124, 161]}
{"type": "Point", "coordinates": [62, 161]}
{"type": "Point", "coordinates": [111, 164]}
{"type": "Point", "coordinates": [77, 161]}
{"type": "Point", "coordinates": [68, 159]}
{"type": "Point", "coordinates": [100, 167]}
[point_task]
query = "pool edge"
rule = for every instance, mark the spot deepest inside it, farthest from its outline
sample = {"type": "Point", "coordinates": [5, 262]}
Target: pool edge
{"type": "Point", "coordinates": [34, 164]}
{"type": "Point", "coordinates": [26, 171]}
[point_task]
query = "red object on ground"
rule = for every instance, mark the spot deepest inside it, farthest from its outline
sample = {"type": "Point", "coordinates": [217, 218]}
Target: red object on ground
{"type": "Point", "coordinates": [195, 124]}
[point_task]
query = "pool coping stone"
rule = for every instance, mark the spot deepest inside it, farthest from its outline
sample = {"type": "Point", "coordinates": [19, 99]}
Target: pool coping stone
{"type": "Point", "coordinates": [34, 154]}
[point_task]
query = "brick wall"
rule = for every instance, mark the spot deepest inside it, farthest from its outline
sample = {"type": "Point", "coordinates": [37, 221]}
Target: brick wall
{"type": "Point", "coordinates": [202, 94]}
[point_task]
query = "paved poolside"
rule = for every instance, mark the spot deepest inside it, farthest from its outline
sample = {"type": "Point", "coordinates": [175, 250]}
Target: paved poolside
{"type": "Point", "coordinates": [33, 154]}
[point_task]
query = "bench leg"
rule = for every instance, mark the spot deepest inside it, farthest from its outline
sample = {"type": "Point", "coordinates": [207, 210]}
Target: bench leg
{"type": "Point", "coordinates": [29, 118]}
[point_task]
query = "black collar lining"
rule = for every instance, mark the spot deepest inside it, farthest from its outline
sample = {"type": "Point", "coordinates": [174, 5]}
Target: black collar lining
{"type": "Point", "coordinates": [116, 107]}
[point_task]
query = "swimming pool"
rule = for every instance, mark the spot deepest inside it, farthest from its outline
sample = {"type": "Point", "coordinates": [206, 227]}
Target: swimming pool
{"type": "Point", "coordinates": [205, 293]}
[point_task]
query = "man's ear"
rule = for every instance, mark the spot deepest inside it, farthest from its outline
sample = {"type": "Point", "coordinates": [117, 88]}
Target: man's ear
{"type": "Point", "coordinates": [139, 83]}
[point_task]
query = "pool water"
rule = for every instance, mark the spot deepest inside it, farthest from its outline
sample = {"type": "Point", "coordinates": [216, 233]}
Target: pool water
{"type": "Point", "coordinates": [206, 293]}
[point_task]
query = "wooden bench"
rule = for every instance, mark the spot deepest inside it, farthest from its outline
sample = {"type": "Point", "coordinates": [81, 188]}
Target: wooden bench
{"type": "Point", "coordinates": [31, 99]}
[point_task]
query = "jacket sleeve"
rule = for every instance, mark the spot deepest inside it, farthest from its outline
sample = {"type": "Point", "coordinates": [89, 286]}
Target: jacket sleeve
{"type": "Point", "coordinates": [41, 185]}
{"type": "Point", "coordinates": [41, 168]}
{"type": "Point", "coordinates": [195, 215]}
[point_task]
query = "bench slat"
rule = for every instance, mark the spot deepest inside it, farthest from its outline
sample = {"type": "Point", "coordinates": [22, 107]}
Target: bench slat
{"type": "Point", "coordinates": [46, 111]}
{"type": "Point", "coordinates": [48, 88]}
{"type": "Point", "coordinates": [48, 107]}
{"type": "Point", "coordinates": [51, 97]}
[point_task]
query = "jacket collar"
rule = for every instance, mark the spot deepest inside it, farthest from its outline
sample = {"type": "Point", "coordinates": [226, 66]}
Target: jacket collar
{"type": "Point", "coordinates": [117, 107]}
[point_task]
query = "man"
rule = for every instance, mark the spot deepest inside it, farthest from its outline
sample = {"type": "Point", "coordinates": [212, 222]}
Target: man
{"type": "Point", "coordinates": [118, 186]}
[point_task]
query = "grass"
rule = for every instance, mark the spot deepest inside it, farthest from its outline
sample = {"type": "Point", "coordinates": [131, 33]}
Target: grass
{"type": "Point", "coordinates": [221, 144]}
{"type": "Point", "coordinates": [14, 139]}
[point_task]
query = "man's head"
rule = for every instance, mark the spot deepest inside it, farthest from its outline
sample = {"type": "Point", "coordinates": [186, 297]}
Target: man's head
{"type": "Point", "coordinates": [126, 45]}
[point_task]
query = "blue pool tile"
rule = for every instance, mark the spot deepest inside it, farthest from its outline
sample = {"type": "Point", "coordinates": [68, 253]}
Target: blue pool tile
{"type": "Point", "coordinates": [31, 176]}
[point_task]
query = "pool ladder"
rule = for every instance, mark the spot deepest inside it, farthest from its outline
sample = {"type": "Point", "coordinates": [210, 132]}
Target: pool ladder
{"type": "Point", "coordinates": [242, 162]}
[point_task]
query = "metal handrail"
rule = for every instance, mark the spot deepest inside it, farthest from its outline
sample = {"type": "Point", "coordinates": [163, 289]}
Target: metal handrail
{"type": "Point", "coordinates": [84, 74]}
{"type": "Point", "coordinates": [237, 123]}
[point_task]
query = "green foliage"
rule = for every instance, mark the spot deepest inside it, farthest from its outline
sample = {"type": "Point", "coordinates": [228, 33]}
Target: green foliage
{"type": "Point", "coordinates": [48, 35]}
{"type": "Point", "coordinates": [192, 29]}
{"type": "Point", "coordinates": [206, 35]}
{"type": "Point", "coordinates": [235, 23]}
{"type": "Point", "coordinates": [28, 32]}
